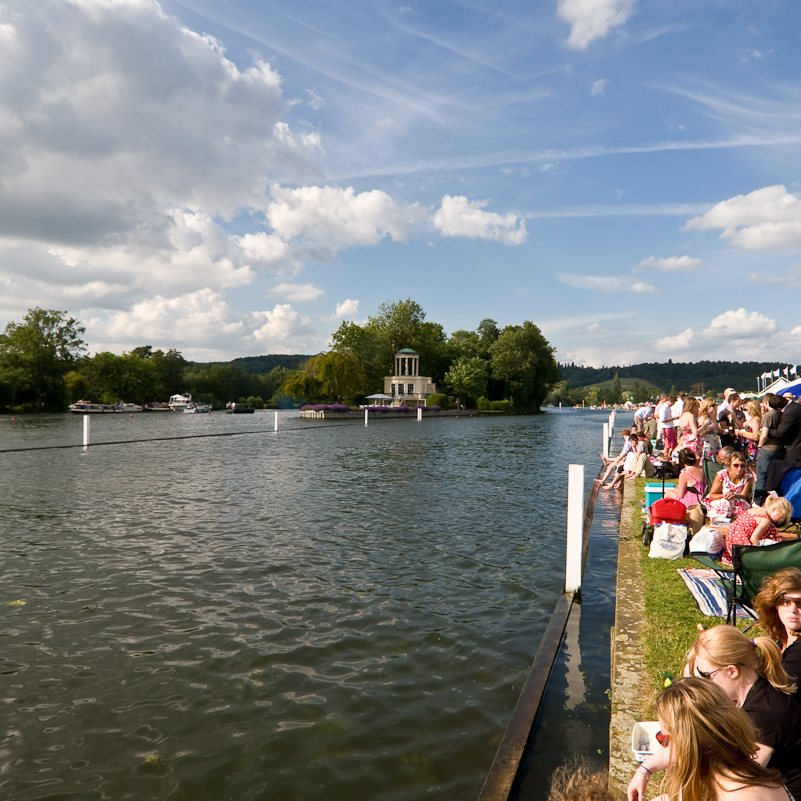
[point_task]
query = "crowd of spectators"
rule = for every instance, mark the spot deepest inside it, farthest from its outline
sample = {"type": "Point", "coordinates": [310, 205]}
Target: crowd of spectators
{"type": "Point", "coordinates": [731, 727]}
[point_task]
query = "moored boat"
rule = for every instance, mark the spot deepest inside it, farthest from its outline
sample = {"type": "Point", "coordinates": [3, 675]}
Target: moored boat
{"type": "Point", "coordinates": [180, 402]}
{"type": "Point", "coordinates": [197, 408]}
{"type": "Point", "coordinates": [239, 408]}
{"type": "Point", "coordinates": [87, 407]}
{"type": "Point", "coordinates": [122, 406]}
{"type": "Point", "coordinates": [157, 406]}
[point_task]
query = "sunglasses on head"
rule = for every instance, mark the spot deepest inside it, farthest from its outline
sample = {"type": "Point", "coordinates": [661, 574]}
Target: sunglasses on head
{"type": "Point", "coordinates": [662, 739]}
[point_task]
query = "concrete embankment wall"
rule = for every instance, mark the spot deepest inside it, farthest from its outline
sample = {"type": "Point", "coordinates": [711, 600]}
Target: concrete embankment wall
{"type": "Point", "coordinates": [627, 662]}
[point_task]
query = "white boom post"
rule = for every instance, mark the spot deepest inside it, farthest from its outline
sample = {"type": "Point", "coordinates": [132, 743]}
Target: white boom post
{"type": "Point", "coordinates": [86, 431]}
{"type": "Point", "coordinates": [575, 507]}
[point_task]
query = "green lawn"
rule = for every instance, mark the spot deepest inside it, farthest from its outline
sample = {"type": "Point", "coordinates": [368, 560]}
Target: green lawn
{"type": "Point", "coordinates": [671, 618]}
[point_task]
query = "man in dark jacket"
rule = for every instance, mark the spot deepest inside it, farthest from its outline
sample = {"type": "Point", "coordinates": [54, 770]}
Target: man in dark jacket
{"type": "Point", "coordinates": [789, 432]}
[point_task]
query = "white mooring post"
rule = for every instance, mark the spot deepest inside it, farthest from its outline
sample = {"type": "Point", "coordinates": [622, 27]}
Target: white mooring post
{"type": "Point", "coordinates": [575, 509]}
{"type": "Point", "coordinates": [606, 440]}
{"type": "Point", "coordinates": [275, 424]}
{"type": "Point", "coordinates": [366, 412]}
{"type": "Point", "coordinates": [419, 415]}
{"type": "Point", "coordinates": [86, 431]}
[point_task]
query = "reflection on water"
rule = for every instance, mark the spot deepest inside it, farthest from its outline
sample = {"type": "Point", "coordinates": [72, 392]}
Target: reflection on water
{"type": "Point", "coordinates": [327, 611]}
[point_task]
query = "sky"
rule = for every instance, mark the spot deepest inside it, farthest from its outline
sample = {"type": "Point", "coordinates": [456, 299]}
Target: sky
{"type": "Point", "coordinates": [236, 179]}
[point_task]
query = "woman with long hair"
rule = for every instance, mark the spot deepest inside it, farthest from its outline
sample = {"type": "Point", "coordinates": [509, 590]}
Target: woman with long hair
{"type": "Point", "coordinates": [751, 677]}
{"type": "Point", "coordinates": [778, 605]}
{"type": "Point", "coordinates": [688, 428]}
{"type": "Point", "coordinates": [711, 744]}
{"type": "Point", "coordinates": [751, 674]}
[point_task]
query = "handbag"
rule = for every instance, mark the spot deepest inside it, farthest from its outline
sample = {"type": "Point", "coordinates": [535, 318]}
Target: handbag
{"type": "Point", "coordinates": [707, 540]}
{"type": "Point", "coordinates": [669, 541]}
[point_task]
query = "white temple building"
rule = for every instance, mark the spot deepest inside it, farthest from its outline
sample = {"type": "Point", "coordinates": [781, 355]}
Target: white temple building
{"type": "Point", "coordinates": [407, 386]}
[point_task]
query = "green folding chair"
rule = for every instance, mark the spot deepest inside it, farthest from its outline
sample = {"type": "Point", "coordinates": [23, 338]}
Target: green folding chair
{"type": "Point", "coordinates": [752, 565]}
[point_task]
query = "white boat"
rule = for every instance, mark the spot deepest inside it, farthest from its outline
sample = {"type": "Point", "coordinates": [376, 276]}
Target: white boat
{"type": "Point", "coordinates": [128, 407]}
{"type": "Point", "coordinates": [87, 407]}
{"type": "Point", "coordinates": [178, 403]}
{"type": "Point", "coordinates": [197, 408]}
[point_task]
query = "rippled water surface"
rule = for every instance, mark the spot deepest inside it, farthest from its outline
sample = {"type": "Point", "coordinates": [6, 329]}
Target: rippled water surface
{"type": "Point", "coordinates": [329, 611]}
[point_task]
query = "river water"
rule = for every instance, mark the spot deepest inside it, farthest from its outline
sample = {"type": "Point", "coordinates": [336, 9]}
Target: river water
{"type": "Point", "coordinates": [328, 611]}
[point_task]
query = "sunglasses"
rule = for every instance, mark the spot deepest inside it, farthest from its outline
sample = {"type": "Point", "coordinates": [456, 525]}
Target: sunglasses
{"type": "Point", "coordinates": [789, 600]}
{"type": "Point", "coordinates": [662, 739]}
{"type": "Point", "coordinates": [706, 675]}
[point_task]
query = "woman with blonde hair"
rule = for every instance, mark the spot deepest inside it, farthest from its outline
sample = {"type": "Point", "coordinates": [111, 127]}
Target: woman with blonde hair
{"type": "Point", "coordinates": [750, 431]}
{"type": "Point", "coordinates": [711, 744]}
{"type": "Point", "coordinates": [688, 428]}
{"type": "Point", "coordinates": [708, 428]}
{"type": "Point", "coordinates": [750, 674]}
{"type": "Point", "coordinates": [778, 605]}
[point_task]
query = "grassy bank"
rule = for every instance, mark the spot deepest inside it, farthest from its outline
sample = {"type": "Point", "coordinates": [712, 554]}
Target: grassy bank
{"type": "Point", "coordinates": [671, 618]}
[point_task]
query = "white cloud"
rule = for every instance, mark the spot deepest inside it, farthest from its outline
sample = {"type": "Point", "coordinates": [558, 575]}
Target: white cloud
{"type": "Point", "coordinates": [672, 263]}
{"type": "Point", "coordinates": [606, 283]}
{"type": "Point", "coordinates": [766, 219]}
{"type": "Point", "coordinates": [598, 87]}
{"type": "Point", "coordinates": [593, 327]}
{"type": "Point", "coordinates": [325, 219]}
{"type": "Point", "coordinates": [751, 335]}
{"type": "Point", "coordinates": [202, 325]}
{"type": "Point", "coordinates": [458, 216]}
{"type": "Point", "coordinates": [593, 19]}
{"type": "Point", "coordinates": [348, 308]}
{"type": "Point", "coordinates": [298, 292]}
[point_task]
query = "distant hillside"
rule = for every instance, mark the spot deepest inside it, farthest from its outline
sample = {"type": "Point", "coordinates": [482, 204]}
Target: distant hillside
{"type": "Point", "coordinates": [627, 383]}
{"type": "Point", "coordinates": [266, 364]}
{"type": "Point", "coordinates": [698, 377]}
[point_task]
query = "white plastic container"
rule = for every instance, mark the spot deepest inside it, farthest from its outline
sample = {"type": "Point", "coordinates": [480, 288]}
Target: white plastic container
{"type": "Point", "coordinates": [643, 739]}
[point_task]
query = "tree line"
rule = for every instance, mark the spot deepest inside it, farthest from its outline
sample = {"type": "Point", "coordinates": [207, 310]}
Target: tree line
{"type": "Point", "coordinates": [44, 366]}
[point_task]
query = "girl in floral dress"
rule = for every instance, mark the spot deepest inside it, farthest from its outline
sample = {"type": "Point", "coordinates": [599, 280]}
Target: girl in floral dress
{"type": "Point", "coordinates": [757, 525]}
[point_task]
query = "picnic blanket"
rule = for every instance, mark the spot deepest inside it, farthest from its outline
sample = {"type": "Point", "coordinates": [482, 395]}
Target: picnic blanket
{"type": "Point", "coordinates": [705, 586]}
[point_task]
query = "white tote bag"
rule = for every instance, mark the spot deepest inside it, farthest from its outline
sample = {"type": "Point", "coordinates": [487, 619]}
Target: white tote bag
{"type": "Point", "coordinates": [668, 541]}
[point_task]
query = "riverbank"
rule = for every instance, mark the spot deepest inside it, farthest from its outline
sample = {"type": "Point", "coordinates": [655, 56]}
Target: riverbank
{"type": "Point", "coordinates": [656, 621]}
{"type": "Point", "coordinates": [375, 414]}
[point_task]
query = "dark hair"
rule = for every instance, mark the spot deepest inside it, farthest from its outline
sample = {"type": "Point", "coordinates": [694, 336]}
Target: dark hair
{"type": "Point", "coordinates": [687, 458]}
{"type": "Point", "coordinates": [777, 402]}
{"type": "Point", "coordinates": [769, 597]}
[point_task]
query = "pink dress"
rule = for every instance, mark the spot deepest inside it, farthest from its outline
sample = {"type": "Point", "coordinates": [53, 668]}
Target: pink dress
{"type": "Point", "coordinates": [742, 528]}
{"type": "Point", "coordinates": [724, 507]}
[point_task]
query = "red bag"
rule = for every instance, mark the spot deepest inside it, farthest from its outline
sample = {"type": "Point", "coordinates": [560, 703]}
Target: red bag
{"type": "Point", "coordinates": [668, 510]}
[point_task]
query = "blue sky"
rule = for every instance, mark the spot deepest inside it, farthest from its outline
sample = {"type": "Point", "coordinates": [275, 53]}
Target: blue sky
{"type": "Point", "coordinates": [237, 178]}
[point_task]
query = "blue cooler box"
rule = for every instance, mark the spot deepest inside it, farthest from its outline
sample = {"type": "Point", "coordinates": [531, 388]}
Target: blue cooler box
{"type": "Point", "coordinates": [653, 492]}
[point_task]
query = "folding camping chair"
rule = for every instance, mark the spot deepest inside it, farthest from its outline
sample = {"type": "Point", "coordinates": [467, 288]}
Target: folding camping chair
{"type": "Point", "coordinates": [752, 564]}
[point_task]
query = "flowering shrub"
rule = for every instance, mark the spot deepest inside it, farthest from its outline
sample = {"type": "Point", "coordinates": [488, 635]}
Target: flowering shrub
{"type": "Point", "coordinates": [402, 409]}
{"type": "Point", "coordinates": [339, 407]}
{"type": "Point", "coordinates": [305, 407]}
{"type": "Point", "coordinates": [320, 407]}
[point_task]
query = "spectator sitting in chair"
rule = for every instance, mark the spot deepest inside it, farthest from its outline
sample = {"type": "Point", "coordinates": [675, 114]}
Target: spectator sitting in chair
{"type": "Point", "coordinates": [778, 605]}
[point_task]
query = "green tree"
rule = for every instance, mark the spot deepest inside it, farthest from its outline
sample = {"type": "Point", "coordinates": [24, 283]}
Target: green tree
{"type": "Point", "coordinates": [341, 374]}
{"type": "Point", "coordinates": [109, 378]}
{"type": "Point", "coordinates": [523, 358]}
{"type": "Point", "coordinates": [333, 376]}
{"type": "Point", "coordinates": [616, 395]}
{"type": "Point", "coordinates": [467, 377]}
{"type": "Point", "coordinates": [36, 354]}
